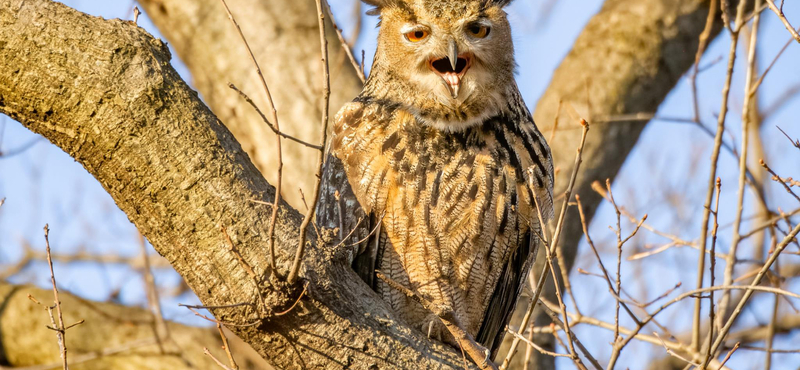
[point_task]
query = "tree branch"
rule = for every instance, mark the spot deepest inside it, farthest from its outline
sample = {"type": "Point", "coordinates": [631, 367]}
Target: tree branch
{"type": "Point", "coordinates": [104, 91]}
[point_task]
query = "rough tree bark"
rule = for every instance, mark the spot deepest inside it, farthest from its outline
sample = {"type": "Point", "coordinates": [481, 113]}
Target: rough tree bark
{"type": "Point", "coordinates": [128, 331]}
{"type": "Point", "coordinates": [284, 36]}
{"type": "Point", "coordinates": [634, 51]}
{"type": "Point", "coordinates": [626, 60]}
{"type": "Point", "coordinates": [104, 91]}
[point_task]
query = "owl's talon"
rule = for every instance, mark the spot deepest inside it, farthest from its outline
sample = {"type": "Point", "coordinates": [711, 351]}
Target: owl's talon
{"type": "Point", "coordinates": [486, 359]}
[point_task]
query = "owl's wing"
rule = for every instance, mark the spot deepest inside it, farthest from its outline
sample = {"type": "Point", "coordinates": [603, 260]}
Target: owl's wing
{"type": "Point", "coordinates": [339, 209]}
{"type": "Point", "coordinates": [506, 292]}
{"type": "Point", "coordinates": [514, 274]}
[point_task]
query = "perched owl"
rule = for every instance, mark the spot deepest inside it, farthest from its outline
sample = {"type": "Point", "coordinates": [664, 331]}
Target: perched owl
{"type": "Point", "coordinates": [442, 155]}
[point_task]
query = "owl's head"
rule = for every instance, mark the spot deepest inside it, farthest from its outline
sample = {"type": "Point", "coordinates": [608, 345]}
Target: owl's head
{"type": "Point", "coordinates": [450, 62]}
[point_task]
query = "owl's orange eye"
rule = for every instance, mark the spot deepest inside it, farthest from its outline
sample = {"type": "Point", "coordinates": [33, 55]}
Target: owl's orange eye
{"type": "Point", "coordinates": [417, 35]}
{"type": "Point", "coordinates": [478, 31]}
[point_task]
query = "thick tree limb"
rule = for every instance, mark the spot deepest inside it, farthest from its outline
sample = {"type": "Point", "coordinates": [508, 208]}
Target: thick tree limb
{"type": "Point", "coordinates": [104, 91]}
{"type": "Point", "coordinates": [285, 38]}
{"type": "Point", "coordinates": [626, 60]}
{"type": "Point", "coordinates": [125, 331]}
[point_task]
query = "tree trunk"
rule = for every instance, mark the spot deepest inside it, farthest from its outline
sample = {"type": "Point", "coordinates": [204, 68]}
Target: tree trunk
{"type": "Point", "coordinates": [104, 91]}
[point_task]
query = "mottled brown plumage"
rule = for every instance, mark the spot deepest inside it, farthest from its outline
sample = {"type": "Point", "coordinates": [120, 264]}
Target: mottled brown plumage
{"type": "Point", "coordinates": [440, 148]}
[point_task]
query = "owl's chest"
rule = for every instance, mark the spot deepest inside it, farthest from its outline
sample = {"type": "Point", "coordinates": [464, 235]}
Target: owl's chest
{"type": "Point", "coordinates": [453, 188]}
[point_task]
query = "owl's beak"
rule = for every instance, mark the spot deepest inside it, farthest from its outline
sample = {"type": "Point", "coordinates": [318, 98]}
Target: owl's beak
{"type": "Point", "coordinates": [453, 54]}
{"type": "Point", "coordinates": [451, 68]}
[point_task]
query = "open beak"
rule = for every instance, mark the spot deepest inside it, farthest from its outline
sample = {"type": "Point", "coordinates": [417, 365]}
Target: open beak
{"type": "Point", "coordinates": [451, 68]}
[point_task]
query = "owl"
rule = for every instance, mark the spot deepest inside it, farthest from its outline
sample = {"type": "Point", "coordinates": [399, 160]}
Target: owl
{"type": "Point", "coordinates": [446, 165]}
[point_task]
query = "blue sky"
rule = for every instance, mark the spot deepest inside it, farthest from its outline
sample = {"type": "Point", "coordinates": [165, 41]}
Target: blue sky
{"type": "Point", "coordinates": [664, 177]}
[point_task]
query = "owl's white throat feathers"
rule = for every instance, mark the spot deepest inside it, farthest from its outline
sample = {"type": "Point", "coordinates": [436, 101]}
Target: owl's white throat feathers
{"type": "Point", "coordinates": [472, 105]}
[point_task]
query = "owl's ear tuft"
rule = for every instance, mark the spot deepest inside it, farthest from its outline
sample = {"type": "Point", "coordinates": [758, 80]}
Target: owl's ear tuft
{"type": "Point", "coordinates": [500, 3]}
{"type": "Point", "coordinates": [378, 4]}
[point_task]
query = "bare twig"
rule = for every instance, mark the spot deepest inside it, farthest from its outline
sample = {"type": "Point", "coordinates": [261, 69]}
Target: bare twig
{"type": "Point", "coordinates": [557, 321]}
{"type": "Point", "coordinates": [345, 44]}
{"type": "Point", "coordinates": [227, 347]}
{"type": "Point", "coordinates": [208, 353]}
{"type": "Point", "coordinates": [728, 356]}
{"type": "Point", "coordinates": [60, 329]}
{"type": "Point", "coordinates": [673, 345]}
{"type": "Point", "coordinates": [533, 345]}
{"type": "Point", "coordinates": [712, 12]}
{"type": "Point", "coordinates": [701, 48]}
{"type": "Point", "coordinates": [274, 116]}
{"type": "Point", "coordinates": [160, 327]}
{"type": "Point", "coordinates": [266, 121]}
{"type": "Point", "coordinates": [783, 19]}
{"type": "Point", "coordinates": [226, 323]}
{"type": "Point", "coordinates": [734, 34]}
{"type": "Point", "coordinates": [711, 269]}
{"type": "Point", "coordinates": [771, 332]}
{"type": "Point", "coordinates": [297, 301]}
{"type": "Point", "coordinates": [673, 353]}
{"type": "Point", "coordinates": [779, 180]}
{"type": "Point", "coordinates": [749, 292]}
{"type": "Point", "coordinates": [795, 142]}
{"type": "Point", "coordinates": [326, 94]}
{"type": "Point", "coordinates": [618, 281]}
{"type": "Point", "coordinates": [730, 262]}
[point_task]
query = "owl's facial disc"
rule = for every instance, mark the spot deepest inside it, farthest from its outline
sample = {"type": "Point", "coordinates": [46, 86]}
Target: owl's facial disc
{"type": "Point", "coordinates": [451, 68]}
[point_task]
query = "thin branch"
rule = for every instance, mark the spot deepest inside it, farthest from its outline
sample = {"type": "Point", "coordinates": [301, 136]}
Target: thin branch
{"type": "Point", "coordinates": [712, 269]}
{"type": "Point", "coordinates": [535, 346]}
{"type": "Point", "coordinates": [701, 48]}
{"type": "Point", "coordinates": [61, 331]}
{"type": "Point", "coordinates": [783, 19]}
{"type": "Point", "coordinates": [554, 317]}
{"type": "Point", "coordinates": [347, 45]}
{"type": "Point", "coordinates": [730, 262]}
{"type": "Point", "coordinates": [728, 356]}
{"type": "Point", "coordinates": [673, 353]}
{"type": "Point", "coordinates": [227, 347]}
{"type": "Point", "coordinates": [779, 180]}
{"type": "Point", "coordinates": [274, 116]}
{"type": "Point", "coordinates": [702, 257]}
{"type": "Point", "coordinates": [296, 302]}
{"type": "Point", "coordinates": [208, 353]}
{"type": "Point", "coordinates": [795, 142]}
{"type": "Point", "coordinates": [161, 329]}
{"type": "Point", "coordinates": [724, 331]}
{"type": "Point", "coordinates": [266, 121]}
{"type": "Point", "coordinates": [83, 358]}
{"type": "Point", "coordinates": [701, 260]}
{"type": "Point", "coordinates": [326, 94]}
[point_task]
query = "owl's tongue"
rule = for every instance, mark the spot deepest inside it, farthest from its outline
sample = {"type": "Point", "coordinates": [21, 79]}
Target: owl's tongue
{"type": "Point", "coordinates": [453, 81]}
